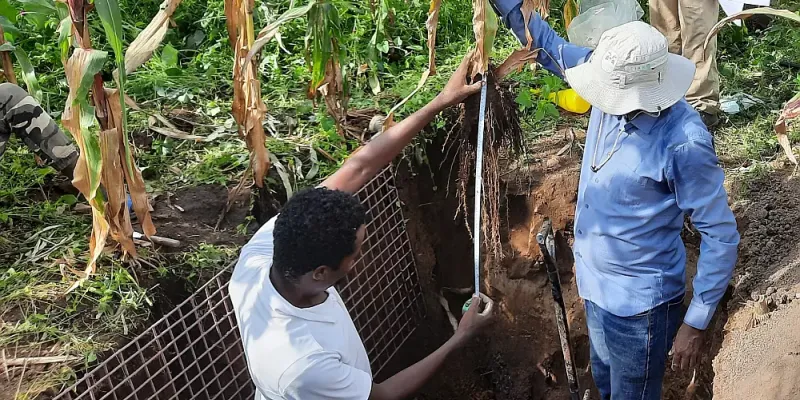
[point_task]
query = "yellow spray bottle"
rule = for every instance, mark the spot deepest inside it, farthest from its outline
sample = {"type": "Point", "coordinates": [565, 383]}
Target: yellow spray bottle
{"type": "Point", "coordinates": [568, 99]}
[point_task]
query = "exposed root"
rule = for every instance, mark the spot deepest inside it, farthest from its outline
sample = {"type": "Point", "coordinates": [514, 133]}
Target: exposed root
{"type": "Point", "coordinates": [450, 316]}
{"type": "Point", "coordinates": [503, 136]}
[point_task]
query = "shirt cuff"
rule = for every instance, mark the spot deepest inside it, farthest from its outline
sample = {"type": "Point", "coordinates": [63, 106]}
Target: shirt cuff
{"type": "Point", "coordinates": [699, 315]}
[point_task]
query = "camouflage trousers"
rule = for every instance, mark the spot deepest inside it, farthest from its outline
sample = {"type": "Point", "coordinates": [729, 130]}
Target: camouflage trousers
{"type": "Point", "coordinates": [21, 115]}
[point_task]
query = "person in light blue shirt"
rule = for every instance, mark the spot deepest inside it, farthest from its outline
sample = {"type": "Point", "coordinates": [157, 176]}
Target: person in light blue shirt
{"type": "Point", "coordinates": [649, 160]}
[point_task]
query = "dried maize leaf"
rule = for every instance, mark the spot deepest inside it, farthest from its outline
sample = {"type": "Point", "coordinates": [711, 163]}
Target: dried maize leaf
{"type": "Point", "coordinates": [79, 119]}
{"type": "Point", "coordinates": [133, 177]}
{"type": "Point", "coordinates": [790, 112]}
{"type": "Point", "coordinates": [273, 29]}
{"type": "Point", "coordinates": [528, 8]}
{"type": "Point", "coordinates": [570, 12]}
{"type": "Point", "coordinates": [117, 214]}
{"type": "Point", "coordinates": [515, 62]}
{"type": "Point", "coordinates": [430, 25]}
{"type": "Point", "coordinates": [332, 90]}
{"type": "Point", "coordinates": [248, 108]}
{"type": "Point", "coordinates": [232, 20]}
{"type": "Point", "coordinates": [148, 40]}
{"type": "Point", "coordinates": [484, 24]}
{"type": "Point", "coordinates": [747, 14]}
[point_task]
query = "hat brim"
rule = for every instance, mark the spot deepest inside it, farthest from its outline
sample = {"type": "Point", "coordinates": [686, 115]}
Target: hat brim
{"type": "Point", "coordinates": [589, 83]}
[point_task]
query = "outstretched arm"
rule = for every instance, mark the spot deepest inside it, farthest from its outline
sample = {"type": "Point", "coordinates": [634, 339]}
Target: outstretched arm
{"type": "Point", "coordinates": [557, 54]}
{"type": "Point", "coordinates": [376, 154]}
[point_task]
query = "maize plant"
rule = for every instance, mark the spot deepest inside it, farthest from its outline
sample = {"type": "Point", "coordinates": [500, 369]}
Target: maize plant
{"type": "Point", "coordinates": [791, 111]}
{"type": "Point", "coordinates": [96, 117]}
{"type": "Point", "coordinates": [379, 43]}
{"type": "Point", "coordinates": [324, 56]}
{"type": "Point", "coordinates": [28, 74]}
{"type": "Point", "coordinates": [248, 107]}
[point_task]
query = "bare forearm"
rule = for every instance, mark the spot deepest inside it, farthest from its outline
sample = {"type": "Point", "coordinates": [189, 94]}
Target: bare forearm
{"type": "Point", "coordinates": [380, 151]}
{"type": "Point", "coordinates": [409, 381]}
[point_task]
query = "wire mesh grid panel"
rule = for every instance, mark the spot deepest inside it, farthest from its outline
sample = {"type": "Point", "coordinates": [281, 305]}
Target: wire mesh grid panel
{"type": "Point", "coordinates": [382, 292]}
{"type": "Point", "coordinates": [194, 351]}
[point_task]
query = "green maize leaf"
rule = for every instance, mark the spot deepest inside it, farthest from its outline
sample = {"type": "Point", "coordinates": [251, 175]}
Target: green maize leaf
{"type": "Point", "coordinates": [39, 6]}
{"type": "Point", "coordinates": [323, 21]}
{"type": "Point", "coordinates": [112, 23]}
{"type": "Point", "coordinates": [7, 11]}
{"type": "Point", "coordinates": [7, 46]}
{"type": "Point", "coordinates": [10, 29]}
{"type": "Point", "coordinates": [62, 9]}
{"type": "Point", "coordinates": [96, 59]}
{"type": "Point", "coordinates": [28, 73]}
{"type": "Point", "coordinates": [111, 17]}
{"type": "Point", "coordinates": [490, 30]}
{"type": "Point", "coordinates": [272, 30]}
{"type": "Point", "coordinates": [91, 141]}
{"type": "Point", "coordinates": [39, 11]}
{"type": "Point", "coordinates": [65, 37]}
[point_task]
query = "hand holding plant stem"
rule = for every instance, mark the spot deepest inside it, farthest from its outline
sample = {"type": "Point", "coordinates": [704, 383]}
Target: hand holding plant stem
{"type": "Point", "coordinates": [457, 89]}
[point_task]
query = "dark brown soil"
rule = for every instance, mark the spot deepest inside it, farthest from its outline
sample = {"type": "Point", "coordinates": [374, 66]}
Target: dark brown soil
{"type": "Point", "coordinates": [761, 362]}
{"type": "Point", "coordinates": [768, 217]}
{"type": "Point", "coordinates": [190, 215]}
{"type": "Point", "coordinates": [201, 207]}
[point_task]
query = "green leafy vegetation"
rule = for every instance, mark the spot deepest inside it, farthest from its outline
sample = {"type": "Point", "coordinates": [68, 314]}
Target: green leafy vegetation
{"type": "Point", "coordinates": [381, 52]}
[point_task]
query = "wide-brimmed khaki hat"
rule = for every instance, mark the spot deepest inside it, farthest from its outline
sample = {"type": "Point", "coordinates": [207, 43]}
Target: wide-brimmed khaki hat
{"type": "Point", "coordinates": [630, 70]}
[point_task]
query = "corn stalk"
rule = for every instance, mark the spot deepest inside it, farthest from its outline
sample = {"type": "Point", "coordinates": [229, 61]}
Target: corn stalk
{"type": "Point", "coordinates": [248, 107]}
{"type": "Point", "coordinates": [5, 57]}
{"type": "Point", "coordinates": [791, 111]}
{"type": "Point", "coordinates": [96, 117]}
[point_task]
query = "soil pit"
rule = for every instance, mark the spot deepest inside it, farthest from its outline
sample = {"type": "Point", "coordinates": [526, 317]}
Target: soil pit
{"type": "Point", "coordinates": [519, 357]}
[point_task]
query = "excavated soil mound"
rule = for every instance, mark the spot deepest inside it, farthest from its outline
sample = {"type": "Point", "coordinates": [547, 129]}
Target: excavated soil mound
{"type": "Point", "coordinates": [759, 357]}
{"type": "Point", "coordinates": [762, 363]}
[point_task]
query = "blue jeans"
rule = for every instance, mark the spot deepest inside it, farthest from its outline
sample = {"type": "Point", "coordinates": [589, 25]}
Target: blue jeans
{"type": "Point", "coordinates": [629, 354]}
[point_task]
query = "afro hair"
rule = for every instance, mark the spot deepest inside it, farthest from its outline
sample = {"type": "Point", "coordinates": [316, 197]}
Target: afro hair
{"type": "Point", "coordinates": [316, 227]}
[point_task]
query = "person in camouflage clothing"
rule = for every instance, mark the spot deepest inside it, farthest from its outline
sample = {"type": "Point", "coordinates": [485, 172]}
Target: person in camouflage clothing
{"type": "Point", "coordinates": [21, 115]}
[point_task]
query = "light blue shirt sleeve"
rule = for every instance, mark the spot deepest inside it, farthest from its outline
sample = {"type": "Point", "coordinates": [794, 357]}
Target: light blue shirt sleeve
{"type": "Point", "coordinates": [698, 184]}
{"type": "Point", "coordinates": [557, 54]}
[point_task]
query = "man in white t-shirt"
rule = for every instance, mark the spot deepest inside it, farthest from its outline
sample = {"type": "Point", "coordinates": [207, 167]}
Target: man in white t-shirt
{"type": "Point", "coordinates": [298, 337]}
